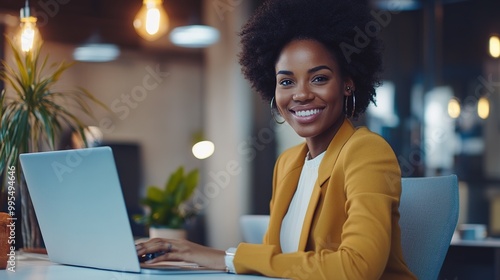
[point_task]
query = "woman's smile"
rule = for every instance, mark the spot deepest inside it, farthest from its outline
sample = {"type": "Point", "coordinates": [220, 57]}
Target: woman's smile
{"type": "Point", "coordinates": [306, 115]}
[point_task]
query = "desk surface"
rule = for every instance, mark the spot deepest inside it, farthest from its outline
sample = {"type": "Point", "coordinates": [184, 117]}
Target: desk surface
{"type": "Point", "coordinates": [487, 242]}
{"type": "Point", "coordinates": [40, 269]}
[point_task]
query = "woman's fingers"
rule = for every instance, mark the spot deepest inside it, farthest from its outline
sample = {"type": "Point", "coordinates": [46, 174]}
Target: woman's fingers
{"type": "Point", "coordinates": [157, 245]}
{"type": "Point", "coordinates": [181, 250]}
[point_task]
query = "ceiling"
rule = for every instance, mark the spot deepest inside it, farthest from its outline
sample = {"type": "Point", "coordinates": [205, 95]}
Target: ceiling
{"type": "Point", "coordinates": [74, 21]}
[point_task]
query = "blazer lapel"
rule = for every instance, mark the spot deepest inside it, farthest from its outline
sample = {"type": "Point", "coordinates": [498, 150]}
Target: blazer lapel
{"type": "Point", "coordinates": [324, 173]}
{"type": "Point", "coordinates": [284, 195]}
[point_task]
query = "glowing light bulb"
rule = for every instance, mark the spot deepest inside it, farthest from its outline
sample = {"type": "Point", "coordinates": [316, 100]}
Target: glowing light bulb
{"type": "Point", "coordinates": [203, 149]}
{"type": "Point", "coordinates": [483, 108]}
{"type": "Point", "coordinates": [151, 22]}
{"type": "Point", "coordinates": [454, 108]}
{"type": "Point", "coordinates": [28, 35]}
{"type": "Point", "coordinates": [494, 46]}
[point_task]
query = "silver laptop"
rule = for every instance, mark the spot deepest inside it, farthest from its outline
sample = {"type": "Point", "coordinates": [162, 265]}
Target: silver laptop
{"type": "Point", "coordinates": [81, 211]}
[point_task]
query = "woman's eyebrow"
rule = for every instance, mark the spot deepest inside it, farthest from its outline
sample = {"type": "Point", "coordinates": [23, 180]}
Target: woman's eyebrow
{"type": "Point", "coordinates": [312, 70]}
{"type": "Point", "coordinates": [284, 72]}
{"type": "Point", "coordinates": [317, 68]}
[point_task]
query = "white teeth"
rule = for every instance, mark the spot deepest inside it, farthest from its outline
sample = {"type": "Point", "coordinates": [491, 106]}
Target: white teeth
{"type": "Point", "coordinates": [307, 113]}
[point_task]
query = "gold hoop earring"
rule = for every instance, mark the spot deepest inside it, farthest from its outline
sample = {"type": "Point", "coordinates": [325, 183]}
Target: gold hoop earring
{"type": "Point", "coordinates": [273, 114]}
{"type": "Point", "coordinates": [351, 114]}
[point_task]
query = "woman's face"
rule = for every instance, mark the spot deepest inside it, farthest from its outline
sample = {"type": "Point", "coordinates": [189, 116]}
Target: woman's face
{"type": "Point", "coordinates": [310, 90]}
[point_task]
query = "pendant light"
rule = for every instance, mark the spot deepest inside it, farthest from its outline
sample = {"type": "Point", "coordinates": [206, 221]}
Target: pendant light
{"type": "Point", "coordinates": [494, 46]}
{"type": "Point", "coordinates": [194, 36]}
{"type": "Point", "coordinates": [151, 22]}
{"type": "Point", "coordinates": [483, 107]}
{"type": "Point", "coordinates": [202, 148]}
{"type": "Point", "coordinates": [28, 35]}
{"type": "Point", "coordinates": [96, 50]}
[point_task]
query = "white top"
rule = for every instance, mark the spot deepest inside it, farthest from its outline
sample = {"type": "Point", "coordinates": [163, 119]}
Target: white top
{"type": "Point", "coordinates": [291, 227]}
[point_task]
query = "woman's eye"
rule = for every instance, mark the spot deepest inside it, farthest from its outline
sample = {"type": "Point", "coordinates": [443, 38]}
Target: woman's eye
{"type": "Point", "coordinates": [285, 82]}
{"type": "Point", "coordinates": [320, 79]}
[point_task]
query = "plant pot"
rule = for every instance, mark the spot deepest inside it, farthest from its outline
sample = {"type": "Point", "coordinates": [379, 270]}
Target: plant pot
{"type": "Point", "coordinates": [169, 233]}
{"type": "Point", "coordinates": [4, 239]}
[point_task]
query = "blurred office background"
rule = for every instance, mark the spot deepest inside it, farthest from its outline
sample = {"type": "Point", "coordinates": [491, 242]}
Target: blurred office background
{"type": "Point", "coordinates": [439, 74]}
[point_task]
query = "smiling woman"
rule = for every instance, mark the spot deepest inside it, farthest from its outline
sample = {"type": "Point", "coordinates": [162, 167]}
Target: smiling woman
{"type": "Point", "coordinates": [334, 210]}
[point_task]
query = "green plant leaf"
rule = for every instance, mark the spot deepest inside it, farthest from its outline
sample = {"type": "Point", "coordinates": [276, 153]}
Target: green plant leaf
{"type": "Point", "coordinates": [167, 205]}
{"type": "Point", "coordinates": [34, 115]}
{"type": "Point", "coordinates": [192, 179]}
{"type": "Point", "coordinates": [179, 193]}
{"type": "Point", "coordinates": [154, 194]}
{"type": "Point", "coordinates": [174, 180]}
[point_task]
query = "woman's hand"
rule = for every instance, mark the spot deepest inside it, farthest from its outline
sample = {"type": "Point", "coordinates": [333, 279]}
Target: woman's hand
{"type": "Point", "coordinates": [182, 250]}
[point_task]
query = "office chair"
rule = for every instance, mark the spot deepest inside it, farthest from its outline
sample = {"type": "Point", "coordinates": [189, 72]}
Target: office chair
{"type": "Point", "coordinates": [429, 214]}
{"type": "Point", "coordinates": [253, 227]}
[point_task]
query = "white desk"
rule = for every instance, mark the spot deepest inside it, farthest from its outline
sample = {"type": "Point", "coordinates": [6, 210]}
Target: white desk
{"type": "Point", "coordinates": [39, 269]}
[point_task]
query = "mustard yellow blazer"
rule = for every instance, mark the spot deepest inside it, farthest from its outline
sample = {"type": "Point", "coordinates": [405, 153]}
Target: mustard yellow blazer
{"type": "Point", "coordinates": [351, 228]}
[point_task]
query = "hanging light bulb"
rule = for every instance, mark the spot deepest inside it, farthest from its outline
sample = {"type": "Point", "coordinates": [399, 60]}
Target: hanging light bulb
{"type": "Point", "coordinates": [454, 108]}
{"type": "Point", "coordinates": [203, 149]}
{"type": "Point", "coordinates": [151, 22]}
{"type": "Point", "coordinates": [28, 35]}
{"type": "Point", "coordinates": [494, 46]}
{"type": "Point", "coordinates": [483, 108]}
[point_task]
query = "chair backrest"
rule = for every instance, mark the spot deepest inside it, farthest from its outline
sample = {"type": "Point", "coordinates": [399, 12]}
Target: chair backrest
{"type": "Point", "coordinates": [253, 227]}
{"type": "Point", "coordinates": [429, 213]}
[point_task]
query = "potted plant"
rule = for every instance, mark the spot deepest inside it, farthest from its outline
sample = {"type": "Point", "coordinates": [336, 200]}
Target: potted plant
{"type": "Point", "coordinates": [166, 208]}
{"type": "Point", "coordinates": [33, 113]}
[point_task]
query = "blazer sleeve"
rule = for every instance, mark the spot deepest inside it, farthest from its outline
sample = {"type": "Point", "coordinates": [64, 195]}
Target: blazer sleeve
{"type": "Point", "coordinates": [369, 174]}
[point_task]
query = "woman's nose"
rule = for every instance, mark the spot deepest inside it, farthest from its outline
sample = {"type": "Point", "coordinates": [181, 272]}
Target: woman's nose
{"type": "Point", "coordinates": [303, 94]}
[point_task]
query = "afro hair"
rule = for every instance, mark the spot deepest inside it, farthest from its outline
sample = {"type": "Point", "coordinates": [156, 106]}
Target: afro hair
{"type": "Point", "coordinates": [345, 27]}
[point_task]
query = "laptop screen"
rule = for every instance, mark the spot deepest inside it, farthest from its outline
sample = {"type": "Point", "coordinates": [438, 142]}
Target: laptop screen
{"type": "Point", "coordinates": [80, 208]}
